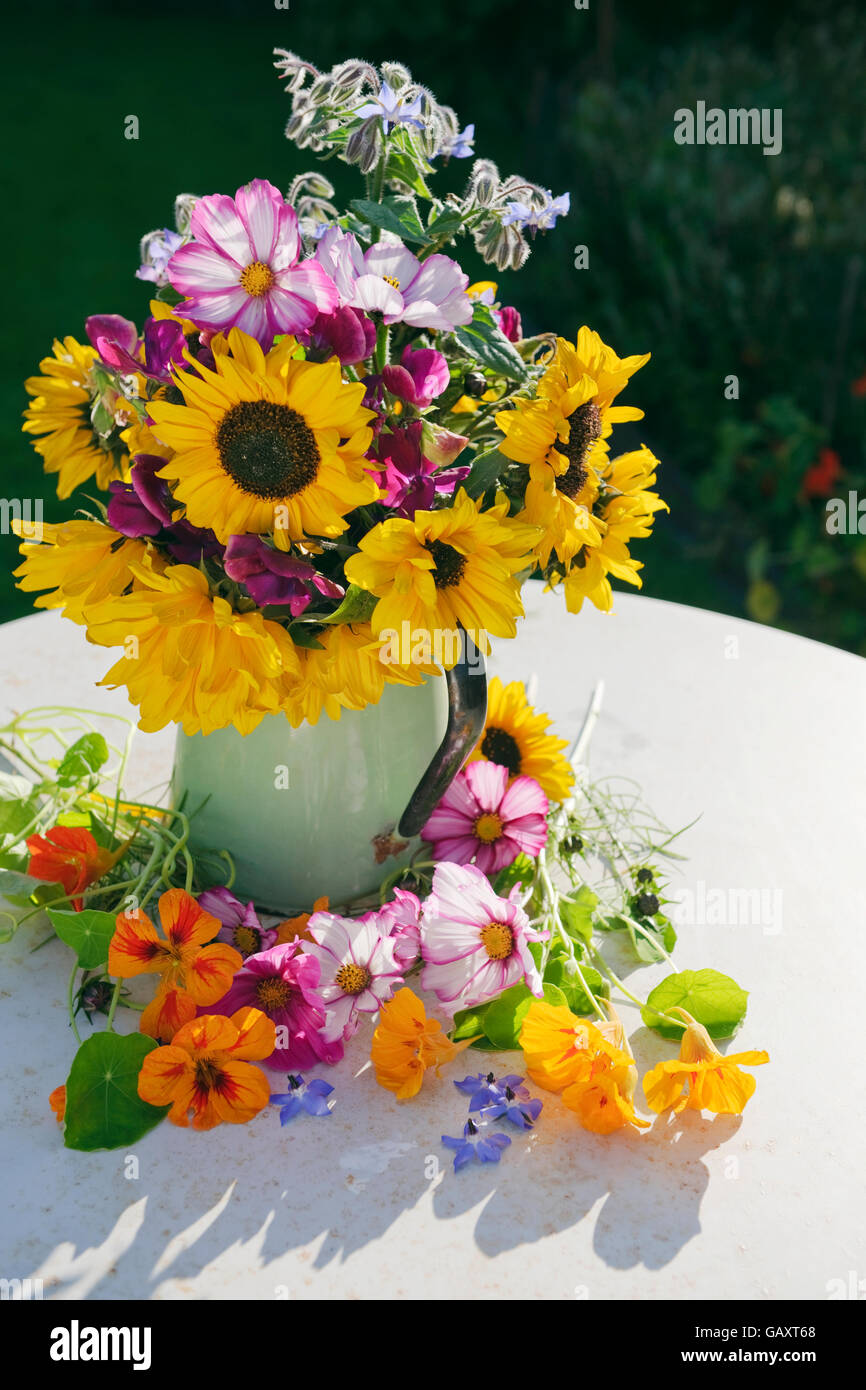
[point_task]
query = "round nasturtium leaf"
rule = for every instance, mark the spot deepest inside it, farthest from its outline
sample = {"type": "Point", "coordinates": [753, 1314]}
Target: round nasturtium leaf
{"type": "Point", "coordinates": [103, 1107]}
{"type": "Point", "coordinates": [88, 932]}
{"type": "Point", "coordinates": [715, 1000]}
{"type": "Point", "coordinates": [503, 1017]}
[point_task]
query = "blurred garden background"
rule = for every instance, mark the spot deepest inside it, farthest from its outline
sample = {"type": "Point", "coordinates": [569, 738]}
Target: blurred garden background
{"type": "Point", "coordinates": [718, 259]}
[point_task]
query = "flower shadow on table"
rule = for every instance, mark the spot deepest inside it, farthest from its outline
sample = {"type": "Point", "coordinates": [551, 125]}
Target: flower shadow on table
{"type": "Point", "coordinates": [651, 1187]}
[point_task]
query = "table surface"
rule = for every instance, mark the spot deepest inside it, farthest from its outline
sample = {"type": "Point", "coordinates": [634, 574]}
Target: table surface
{"type": "Point", "coordinates": [761, 734]}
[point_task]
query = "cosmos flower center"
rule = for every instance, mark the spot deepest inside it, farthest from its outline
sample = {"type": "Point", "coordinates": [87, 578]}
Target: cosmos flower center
{"type": "Point", "coordinates": [268, 449]}
{"type": "Point", "coordinates": [584, 428]}
{"type": "Point", "coordinates": [488, 828]}
{"type": "Point", "coordinates": [273, 993]}
{"type": "Point", "coordinates": [449, 564]}
{"type": "Point", "coordinates": [498, 940]}
{"type": "Point", "coordinates": [390, 280]}
{"type": "Point", "coordinates": [207, 1074]}
{"type": "Point", "coordinates": [500, 747]}
{"type": "Point", "coordinates": [353, 979]}
{"type": "Point", "coordinates": [247, 940]}
{"type": "Point", "coordinates": [257, 278]}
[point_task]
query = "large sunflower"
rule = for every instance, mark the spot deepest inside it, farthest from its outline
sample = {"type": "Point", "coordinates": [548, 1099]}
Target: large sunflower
{"type": "Point", "coordinates": [82, 562]}
{"type": "Point", "coordinates": [562, 436]}
{"type": "Point", "coordinates": [266, 443]}
{"type": "Point", "coordinates": [60, 413]}
{"type": "Point", "coordinates": [189, 658]}
{"type": "Point", "coordinates": [442, 568]}
{"type": "Point", "coordinates": [516, 737]}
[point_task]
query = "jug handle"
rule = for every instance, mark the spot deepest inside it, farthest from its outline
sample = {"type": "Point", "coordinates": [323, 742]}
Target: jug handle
{"type": "Point", "coordinates": [467, 710]}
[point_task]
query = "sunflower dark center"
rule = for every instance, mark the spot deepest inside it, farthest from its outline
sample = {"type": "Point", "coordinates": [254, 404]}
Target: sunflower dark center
{"type": "Point", "coordinates": [499, 747]}
{"type": "Point", "coordinates": [268, 449]}
{"type": "Point", "coordinates": [449, 564]}
{"type": "Point", "coordinates": [584, 428]}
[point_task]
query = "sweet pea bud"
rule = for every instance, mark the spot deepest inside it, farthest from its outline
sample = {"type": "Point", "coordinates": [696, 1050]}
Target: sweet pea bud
{"type": "Point", "coordinates": [441, 446]}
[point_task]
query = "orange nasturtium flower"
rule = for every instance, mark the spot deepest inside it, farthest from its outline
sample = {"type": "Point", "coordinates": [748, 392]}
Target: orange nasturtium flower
{"type": "Point", "coordinates": [587, 1062]}
{"type": "Point", "coordinates": [192, 972]}
{"type": "Point", "coordinates": [207, 1070]}
{"type": "Point", "coordinates": [715, 1081]}
{"type": "Point", "coordinates": [69, 855]}
{"type": "Point", "coordinates": [406, 1043]}
{"type": "Point", "coordinates": [57, 1101]}
{"type": "Point", "coordinates": [297, 926]}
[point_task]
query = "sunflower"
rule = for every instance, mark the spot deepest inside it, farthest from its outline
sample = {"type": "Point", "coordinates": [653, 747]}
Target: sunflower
{"type": "Point", "coordinates": [516, 737]}
{"type": "Point", "coordinates": [82, 562]}
{"type": "Point", "coordinates": [344, 671]}
{"type": "Point", "coordinates": [266, 443]}
{"type": "Point", "coordinates": [562, 436]}
{"type": "Point", "coordinates": [442, 568]}
{"type": "Point", "coordinates": [61, 412]}
{"type": "Point", "coordinates": [189, 658]}
{"type": "Point", "coordinates": [627, 513]}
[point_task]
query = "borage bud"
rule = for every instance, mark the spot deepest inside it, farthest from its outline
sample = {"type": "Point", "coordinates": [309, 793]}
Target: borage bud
{"type": "Point", "coordinates": [183, 206]}
{"type": "Point", "coordinates": [483, 182]}
{"type": "Point", "coordinates": [395, 75]}
{"type": "Point", "coordinates": [364, 145]}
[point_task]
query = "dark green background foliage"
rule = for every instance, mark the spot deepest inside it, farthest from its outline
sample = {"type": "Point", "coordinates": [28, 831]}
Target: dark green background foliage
{"type": "Point", "coordinates": [720, 260]}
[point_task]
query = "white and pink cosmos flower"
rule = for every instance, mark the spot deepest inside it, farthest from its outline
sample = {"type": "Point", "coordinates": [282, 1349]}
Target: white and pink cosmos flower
{"type": "Point", "coordinates": [389, 280]}
{"type": "Point", "coordinates": [400, 919]}
{"type": "Point", "coordinates": [358, 969]}
{"type": "Point", "coordinates": [473, 943]}
{"type": "Point", "coordinates": [487, 817]}
{"type": "Point", "coordinates": [241, 270]}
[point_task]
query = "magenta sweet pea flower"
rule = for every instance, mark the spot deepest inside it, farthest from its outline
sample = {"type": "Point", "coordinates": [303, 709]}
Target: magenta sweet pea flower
{"type": "Point", "coordinates": [242, 268]}
{"type": "Point", "coordinates": [345, 333]}
{"type": "Point", "coordinates": [281, 982]}
{"type": "Point", "coordinates": [421, 376]}
{"type": "Point", "coordinates": [410, 480]}
{"type": "Point", "coordinates": [508, 319]}
{"type": "Point", "coordinates": [141, 507]}
{"type": "Point", "coordinates": [241, 927]}
{"type": "Point", "coordinates": [389, 280]}
{"type": "Point", "coordinates": [474, 944]}
{"type": "Point", "coordinates": [272, 577]}
{"type": "Point", "coordinates": [359, 970]}
{"type": "Point", "coordinates": [117, 342]}
{"type": "Point", "coordinates": [484, 817]}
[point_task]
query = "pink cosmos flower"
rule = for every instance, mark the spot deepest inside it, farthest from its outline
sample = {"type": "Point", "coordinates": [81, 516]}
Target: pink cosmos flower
{"type": "Point", "coordinates": [399, 919]}
{"type": "Point", "coordinates": [281, 982]}
{"type": "Point", "coordinates": [389, 279]}
{"type": "Point", "coordinates": [473, 943]}
{"type": "Point", "coordinates": [481, 816]}
{"type": "Point", "coordinates": [241, 270]}
{"type": "Point", "coordinates": [359, 970]}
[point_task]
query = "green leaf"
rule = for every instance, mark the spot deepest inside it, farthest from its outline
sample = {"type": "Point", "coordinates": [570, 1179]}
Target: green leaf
{"type": "Point", "coordinates": [576, 913]}
{"type": "Point", "coordinates": [468, 1023]}
{"type": "Point", "coordinates": [17, 887]}
{"type": "Point", "coordinates": [521, 871]}
{"type": "Point", "coordinates": [167, 294]}
{"type": "Point", "coordinates": [304, 635]}
{"type": "Point", "coordinates": [82, 759]}
{"type": "Point", "coordinates": [16, 815]}
{"type": "Point", "coordinates": [445, 224]}
{"type": "Point", "coordinates": [103, 1107]}
{"type": "Point", "coordinates": [484, 340]}
{"type": "Point", "coordinates": [503, 1017]}
{"type": "Point", "coordinates": [88, 933]}
{"type": "Point", "coordinates": [397, 214]}
{"type": "Point", "coordinates": [356, 607]}
{"type": "Point", "coordinates": [575, 995]}
{"type": "Point", "coordinates": [486, 470]}
{"type": "Point", "coordinates": [713, 999]}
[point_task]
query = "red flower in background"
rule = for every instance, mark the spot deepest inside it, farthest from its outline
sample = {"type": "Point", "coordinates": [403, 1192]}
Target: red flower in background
{"type": "Point", "coordinates": [820, 479]}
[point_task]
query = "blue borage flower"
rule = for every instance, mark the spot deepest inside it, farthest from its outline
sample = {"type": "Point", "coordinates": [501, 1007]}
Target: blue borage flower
{"type": "Point", "coordinates": [394, 109]}
{"type": "Point", "coordinates": [506, 1097]}
{"type": "Point", "coordinates": [311, 1096]}
{"type": "Point", "coordinates": [458, 146]}
{"type": "Point", "coordinates": [535, 219]}
{"type": "Point", "coordinates": [486, 1148]}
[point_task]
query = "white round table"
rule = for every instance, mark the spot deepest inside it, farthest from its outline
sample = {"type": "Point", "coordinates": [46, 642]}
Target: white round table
{"type": "Point", "coordinates": [764, 736]}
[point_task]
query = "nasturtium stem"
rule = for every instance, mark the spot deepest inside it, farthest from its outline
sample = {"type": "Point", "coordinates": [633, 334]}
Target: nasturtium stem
{"type": "Point", "coordinates": [71, 1000]}
{"type": "Point", "coordinates": [624, 990]}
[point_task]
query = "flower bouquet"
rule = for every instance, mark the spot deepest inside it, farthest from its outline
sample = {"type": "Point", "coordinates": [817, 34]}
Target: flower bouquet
{"type": "Point", "coordinates": [329, 463]}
